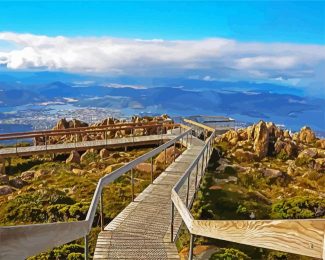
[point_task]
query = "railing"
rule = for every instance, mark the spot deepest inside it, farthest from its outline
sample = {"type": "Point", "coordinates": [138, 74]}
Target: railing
{"type": "Point", "coordinates": [19, 242]}
{"type": "Point", "coordinates": [303, 236]}
{"type": "Point", "coordinates": [72, 136]}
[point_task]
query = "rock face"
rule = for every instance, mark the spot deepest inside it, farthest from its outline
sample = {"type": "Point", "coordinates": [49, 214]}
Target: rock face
{"type": "Point", "coordinates": [261, 139]}
{"type": "Point", "coordinates": [74, 157]}
{"type": "Point", "coordinates": [5, 190]}
{"type": "Point", "coordinates": [170, 152]}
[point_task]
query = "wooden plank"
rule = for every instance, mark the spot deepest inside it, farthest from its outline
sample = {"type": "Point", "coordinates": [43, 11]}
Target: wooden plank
{"type": "Point", "coordinates": [19, 242]}
{"type": "Point", "coordinates": [303, 237]}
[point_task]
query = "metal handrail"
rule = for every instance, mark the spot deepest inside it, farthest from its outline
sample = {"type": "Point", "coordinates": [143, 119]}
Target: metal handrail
{"type": "Point", "coordinates": [19, 242]}
{"type": "Point", "coordinates": [304, 236]}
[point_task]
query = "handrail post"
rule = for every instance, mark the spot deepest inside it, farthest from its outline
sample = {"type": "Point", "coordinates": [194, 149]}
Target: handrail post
{"type": "Point", "coordinates": [165, 162]}
{"type": "Point", "coordinates": [151, 170]}
{"type": "Point", "coordinates": [132, 185]}
{"type": "Point", "coordinates": [174, 151]}
{"type": "Point", "coordinates": [196, 174]}
{"type": "Point", "coordinates": [86, 250]}
{"type": "Point", "coordinates": [188, 189]}
{"type": "Point", "coordinates": [190, 254]}
{"type": "Point", "coordinates": [172, 224]}
{"type": "Point", "coordinates": [45, 140]}
{"type": "Point", "coordinates": [16, 146]}
{"type": "Point", "coordinates": [202, 165]}
{"type": "Point", "coordinates": [187, 140]}
{"type": "Point", "coordinates": [101, 211]}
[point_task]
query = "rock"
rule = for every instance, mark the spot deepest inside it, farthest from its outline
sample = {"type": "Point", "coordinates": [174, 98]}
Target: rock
{"type": "Point", "coordinates": [231, 137]}
{"type": "Point", "coordinates": [74, 123]}
{"type": "Point", "coordinates": [17, 183]}
{"type": "Point", "coordinates": [78, 171]}
{"type": "Point", "coordinates": [145, 167]}
{"type": "Point", "coordinates": [74, 157]}
{"type": "Point", "coordinates": [27, 176]}
{"type": "Point", "coordinates": [287, 147]}
{"type": "Point", "coordinates": [86, 155]}
{"type": "Point", "coordinates": [123, 154]}
{"type": "Point", "coordinates": [112, 167]}
{"type": "Point", "coordinates": [244, 156]}
{"type": "Point", "coordinates": [4, 179]}
{"type": "Point", "coordinates": [272, 173]}
{"type": "Point", "coordinates": [104, 153]}
{"type": "Point", "coordinates": [40, 173]}
{"type": "Point", "coordinates": [273, 129]}
{"type": "Point", "coordinates": [261, 139]}
{"type": "Point", "coordinates": [286, 134]}
{"type": "Point", "coordinates": [2, 166]}
{"type": "Point", "coordinates": [308, 153]}
{"type": "Point", "coordinates": [5, 190]}
{"type": "Point", "coordinates": [61, 124]}
{"type": "Point", "coordinates": [320, 164]}
{"type": "Point", "coordinates": [320, 143]}
{"type": "Point", "coordinates": [170, 152]}
{"type": "Point", "coordinates": [306, 135]}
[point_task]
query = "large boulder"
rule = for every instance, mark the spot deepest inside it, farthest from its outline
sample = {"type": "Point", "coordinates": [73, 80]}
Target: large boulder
{"type": "Point", "coordinates": [145, 167]}
{"type": "Point", "coordinates": [320, 164]}
{"type": "Point", "coordinates": [261, 139]}
{"type": "Point", "coordinates": [306, 135]}
{"type": "Point", "coordinates": [5, 190]}
{"type": "Point", "coordinates": [231, 137]}
{"type": "Point", "coordinates": [169, 158]}
{"type": "Point", "coordinates": [74, 157]}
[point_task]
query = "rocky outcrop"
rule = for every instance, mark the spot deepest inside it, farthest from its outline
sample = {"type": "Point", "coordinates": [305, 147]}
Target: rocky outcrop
{"type": "Point", "coordinates": [306, 135]}
{"type": "Point", "coordinates": [74, 157]}
{"type": "Point", "coordinates": [261, 139]}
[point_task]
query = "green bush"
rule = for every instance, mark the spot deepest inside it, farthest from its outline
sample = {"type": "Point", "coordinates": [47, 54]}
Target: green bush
{"type": "Point", "coordinates": [298, 208]}
{"type": "Point", "coordinates": [229, 254]}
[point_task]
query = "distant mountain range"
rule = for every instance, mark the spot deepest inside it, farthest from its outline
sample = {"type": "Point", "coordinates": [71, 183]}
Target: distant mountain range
{"type": "Point", "coordinates": [243, 100]}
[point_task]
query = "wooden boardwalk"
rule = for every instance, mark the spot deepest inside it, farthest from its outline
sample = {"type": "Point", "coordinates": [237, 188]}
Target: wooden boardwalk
{"type": "Point", "coordinates": [142, 229]}
{"type": "Point", "coordinates": [82, 146]}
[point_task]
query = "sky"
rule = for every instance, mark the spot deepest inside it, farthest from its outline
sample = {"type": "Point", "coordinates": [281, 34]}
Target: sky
{"type": "Point", "coordinates": [246, 40]}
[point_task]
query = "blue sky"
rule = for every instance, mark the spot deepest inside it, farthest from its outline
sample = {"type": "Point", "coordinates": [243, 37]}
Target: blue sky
{"type": "Point", "coordinates": [262, 21]}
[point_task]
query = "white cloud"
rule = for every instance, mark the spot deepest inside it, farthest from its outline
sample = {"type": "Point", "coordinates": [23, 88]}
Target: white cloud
{"type": "Point", "coordinates": [218, 58]}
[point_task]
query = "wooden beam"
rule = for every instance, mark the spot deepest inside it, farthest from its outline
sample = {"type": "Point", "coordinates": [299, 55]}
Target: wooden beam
{"type": "Point", "coordinates": [303, 237]}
